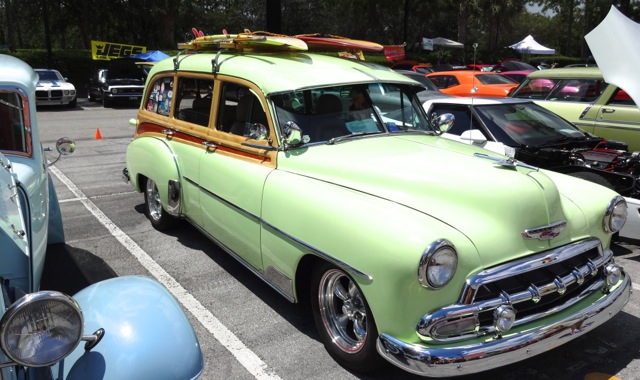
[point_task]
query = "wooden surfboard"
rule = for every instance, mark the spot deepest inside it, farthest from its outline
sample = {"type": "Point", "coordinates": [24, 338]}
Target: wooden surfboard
{"type": "Point", "coordinates": [333, 43]}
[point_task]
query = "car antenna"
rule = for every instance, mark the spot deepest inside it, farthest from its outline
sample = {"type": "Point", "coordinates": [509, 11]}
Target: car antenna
{"type": "Point", "coordinates": [473, 84]}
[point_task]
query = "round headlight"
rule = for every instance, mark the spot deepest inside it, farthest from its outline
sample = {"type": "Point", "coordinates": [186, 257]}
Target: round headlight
{"type": "Point", "coordinates": [615, 215]}
{"type": "Point", "coordinates": [438, 264]}
{"type": "Point", "coordinates": [41, 328]}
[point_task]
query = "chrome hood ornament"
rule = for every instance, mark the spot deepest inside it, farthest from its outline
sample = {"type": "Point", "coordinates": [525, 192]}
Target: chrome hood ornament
{"type": "Point", "coordinates": [547, 232]}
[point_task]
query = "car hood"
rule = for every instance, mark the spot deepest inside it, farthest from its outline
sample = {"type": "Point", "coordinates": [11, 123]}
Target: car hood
{"type": "Point", "coordinates": [125, 70]}
{"type": "Point", "coordinates": [54, 84]}
{"type": "Point", "coordinates": [443, 179]}
{"type": "Point", "coordinates": [618, 62]}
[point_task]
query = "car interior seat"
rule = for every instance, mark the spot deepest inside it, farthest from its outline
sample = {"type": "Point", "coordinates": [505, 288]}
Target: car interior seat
{"type": "Point", "coordinates": [328, 122]}
{"type": "Point", "coordinates": [249, 111]}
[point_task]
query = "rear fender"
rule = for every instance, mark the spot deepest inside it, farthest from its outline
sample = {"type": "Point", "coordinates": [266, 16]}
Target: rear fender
{"type": "Point", "coordinates": [146, 334]}
{"type": "Point", "coordinates": [156, 160]}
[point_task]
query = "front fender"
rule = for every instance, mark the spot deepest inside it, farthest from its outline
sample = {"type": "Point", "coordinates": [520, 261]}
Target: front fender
{"type": "Point", "coordinates": [56, 231]}
{"type": "Point", "coordinates": [147, 335]}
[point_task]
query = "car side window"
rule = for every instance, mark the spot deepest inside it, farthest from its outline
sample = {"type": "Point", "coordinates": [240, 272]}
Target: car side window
{"type": "Point", "coordinates": [160, 96]}
{"type": "Point", "coordinates": [193, 100]}
{"type": "Point", "coordinates": [463, 121]}
{"type": "Point", "coordinates": [12, 130]}
{"type": "Point", "coordinates": [241, 112]}
{"type": "Point", "coordinates": [577, 90]}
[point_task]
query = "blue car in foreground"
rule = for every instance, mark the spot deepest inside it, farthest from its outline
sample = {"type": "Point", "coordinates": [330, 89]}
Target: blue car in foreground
{"type": "Point", "coordinates": [121, 328]}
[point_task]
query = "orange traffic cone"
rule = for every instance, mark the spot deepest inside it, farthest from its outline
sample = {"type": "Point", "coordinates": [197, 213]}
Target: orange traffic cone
{"type": "Point", "coordinates": [98, 135]}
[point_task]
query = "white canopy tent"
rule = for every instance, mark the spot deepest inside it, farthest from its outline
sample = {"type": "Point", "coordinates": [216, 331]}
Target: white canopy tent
{"type": "Point", "coordinates": [440, 41]}
{"type": "Point", "coordinates": [530, 46]}
{"type": "Point", "coordinates": [616, 49]}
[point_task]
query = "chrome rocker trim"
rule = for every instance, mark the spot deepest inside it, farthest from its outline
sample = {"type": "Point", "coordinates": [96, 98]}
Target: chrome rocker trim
{"type": "Point", "coordinates": [473, 358]}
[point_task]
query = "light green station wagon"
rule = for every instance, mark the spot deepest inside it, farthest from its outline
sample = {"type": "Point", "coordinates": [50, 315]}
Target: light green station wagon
{"type": "Point", "coordinates": [439, 257]}
{"type": "Point", "coordinates": [581, 96]}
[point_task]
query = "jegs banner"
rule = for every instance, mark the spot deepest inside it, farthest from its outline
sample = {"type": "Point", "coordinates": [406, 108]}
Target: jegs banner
{"type": "Point", "coordinates": [101, 50]}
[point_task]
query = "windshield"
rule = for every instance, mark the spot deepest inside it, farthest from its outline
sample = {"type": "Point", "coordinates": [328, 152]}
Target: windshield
{"type": "Point", "coordinates": [329, 112]}
{"type": "Point", "coordinates": [12, 126]}
{"type": "Point", "coordinates": [527, 124]}
{"type": "Point", "coordinates": [494, 79]}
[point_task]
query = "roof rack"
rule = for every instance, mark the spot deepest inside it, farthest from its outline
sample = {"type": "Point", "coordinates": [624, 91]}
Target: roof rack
{"type": "Point", "coordinates": [267, 41]}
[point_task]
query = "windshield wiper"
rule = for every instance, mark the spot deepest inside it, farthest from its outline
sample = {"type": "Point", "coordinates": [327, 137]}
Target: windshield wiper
{"type": "Point", "coordinates": [349, 137]}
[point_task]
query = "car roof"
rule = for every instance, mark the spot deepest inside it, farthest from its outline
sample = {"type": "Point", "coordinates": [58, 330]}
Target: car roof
{"type": "Point", "coordinates": [18, 72]}
{"type": "Point", "coordinates": [463, 73]}
{"type": "Point", "coordinates": [295, 70]}
{"type": "Point", "coordinates": [568, 72]}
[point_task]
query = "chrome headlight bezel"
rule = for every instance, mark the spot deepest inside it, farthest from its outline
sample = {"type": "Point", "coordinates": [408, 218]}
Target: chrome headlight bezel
{"type": "Point", "coordinates": [41, 328]}
{"type": "Point", "coordinates": [438, 264]}
{"type": "Point", "coordinates": [615, 215]}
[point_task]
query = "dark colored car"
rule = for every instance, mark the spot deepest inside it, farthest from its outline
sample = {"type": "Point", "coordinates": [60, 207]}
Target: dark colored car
{"type": "Point", "coordinates": [539, 137]}
{"type": "Point", "coordinates": [123, 80]}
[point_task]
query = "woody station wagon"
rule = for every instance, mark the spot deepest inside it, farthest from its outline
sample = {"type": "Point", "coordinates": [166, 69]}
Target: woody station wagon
{"type": "Point", "coordinates": [442, 258]}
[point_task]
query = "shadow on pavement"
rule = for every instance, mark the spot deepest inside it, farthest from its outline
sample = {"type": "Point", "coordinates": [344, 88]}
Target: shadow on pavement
{"type": "Point", "coordinates": [68, 269]}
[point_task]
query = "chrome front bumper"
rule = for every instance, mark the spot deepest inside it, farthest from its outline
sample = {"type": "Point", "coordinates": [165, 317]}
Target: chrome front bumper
{"type": "Point", "coordinates": [473, 358]}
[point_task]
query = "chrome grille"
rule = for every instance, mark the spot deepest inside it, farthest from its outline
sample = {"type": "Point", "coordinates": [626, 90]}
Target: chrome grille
{"type": "Point", "coordinates": [536, 286]}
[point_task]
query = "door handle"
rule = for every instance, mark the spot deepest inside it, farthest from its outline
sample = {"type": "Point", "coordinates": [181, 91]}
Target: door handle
{"type": "Point", "coordinates": [608, 110]}
{"type": "Point", "coordinates": [210, 145]}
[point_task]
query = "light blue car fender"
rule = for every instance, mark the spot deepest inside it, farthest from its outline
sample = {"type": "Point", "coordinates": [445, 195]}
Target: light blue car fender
{"type": "Point", "coordinates": [146, 334]}
{"type": "Point", "coordinates": [56, 231]}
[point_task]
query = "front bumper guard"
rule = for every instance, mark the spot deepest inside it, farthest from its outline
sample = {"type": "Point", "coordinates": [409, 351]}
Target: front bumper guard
{"type": "Point", "coordinates": [474, 358]}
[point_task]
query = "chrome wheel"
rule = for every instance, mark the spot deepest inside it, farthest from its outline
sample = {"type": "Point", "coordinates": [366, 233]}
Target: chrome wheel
{"type": "Point", "coordinates": [152, 197]}
{"type": "Point", "coordinates": [343, 311]}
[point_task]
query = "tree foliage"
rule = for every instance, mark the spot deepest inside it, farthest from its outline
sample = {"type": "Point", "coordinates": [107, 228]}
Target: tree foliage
{"type": "Point", "coordinates": [161, 24]}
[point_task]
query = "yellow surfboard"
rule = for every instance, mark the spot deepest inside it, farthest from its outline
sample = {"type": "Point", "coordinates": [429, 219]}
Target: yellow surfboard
{"type": "Point", "coordinates": [244, 41]}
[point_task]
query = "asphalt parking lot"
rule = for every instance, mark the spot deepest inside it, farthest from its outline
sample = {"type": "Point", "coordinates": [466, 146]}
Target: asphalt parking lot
{"type": "Point", "coordinates": [246, 330]}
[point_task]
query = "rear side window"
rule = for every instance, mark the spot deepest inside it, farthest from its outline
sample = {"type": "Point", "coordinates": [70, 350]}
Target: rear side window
{"type": "Point", "coordinates": [193, 100]}
{"type": "Point", "coordinates": [160, 96]}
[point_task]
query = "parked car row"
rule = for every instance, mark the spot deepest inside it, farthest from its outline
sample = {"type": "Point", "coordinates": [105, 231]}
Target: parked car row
{"type": "Point", "coordinates": [41, 330]}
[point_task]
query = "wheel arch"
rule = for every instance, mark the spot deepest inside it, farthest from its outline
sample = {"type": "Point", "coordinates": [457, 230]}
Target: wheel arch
{"type": "Point", "coordinates": [152, 157]}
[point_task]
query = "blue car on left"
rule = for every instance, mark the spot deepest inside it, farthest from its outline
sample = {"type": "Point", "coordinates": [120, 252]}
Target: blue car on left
{"type": "Point", "coordinates": [121, 328]}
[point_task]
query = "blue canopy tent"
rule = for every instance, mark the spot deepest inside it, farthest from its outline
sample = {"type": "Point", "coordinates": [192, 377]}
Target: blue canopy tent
{"type": "Point", "coordinates": [151, 56]}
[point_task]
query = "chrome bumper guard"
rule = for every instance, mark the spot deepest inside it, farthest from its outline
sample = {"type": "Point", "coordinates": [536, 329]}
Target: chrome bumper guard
{"type": "Point", "coordinates": [473, 358]}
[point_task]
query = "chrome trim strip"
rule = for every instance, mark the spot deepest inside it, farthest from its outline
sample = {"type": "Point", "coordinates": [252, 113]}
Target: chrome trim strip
{"type": "Point", "coordinates": [242, 211]}
{"type": "Point", "coordinates": [266, 224]}
{"type": "Point", "coordinates": [482, 356]}
{"type": "Point", "coordinates": [286, 294]}
{"type": "Point", "coordinates": [320, 253]}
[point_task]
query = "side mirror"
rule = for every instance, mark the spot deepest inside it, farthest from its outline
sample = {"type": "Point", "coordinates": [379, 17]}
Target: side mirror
{"type": "Point", "coordinates": [292, 134]}
{"type": "Point", "coordinates": [474, 136]}
{"type": "Point", "coordinates": [443, 122]}
{"type": "Point", "coordinates": [65, 146]}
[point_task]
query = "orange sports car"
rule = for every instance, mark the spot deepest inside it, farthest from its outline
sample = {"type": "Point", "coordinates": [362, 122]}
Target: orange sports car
{"type": "Point", "coordinates": [472, 83]}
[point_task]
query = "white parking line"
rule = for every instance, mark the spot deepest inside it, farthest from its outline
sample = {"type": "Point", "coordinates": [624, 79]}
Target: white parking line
{"type": "Point", "coordinates": [244, 355]}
